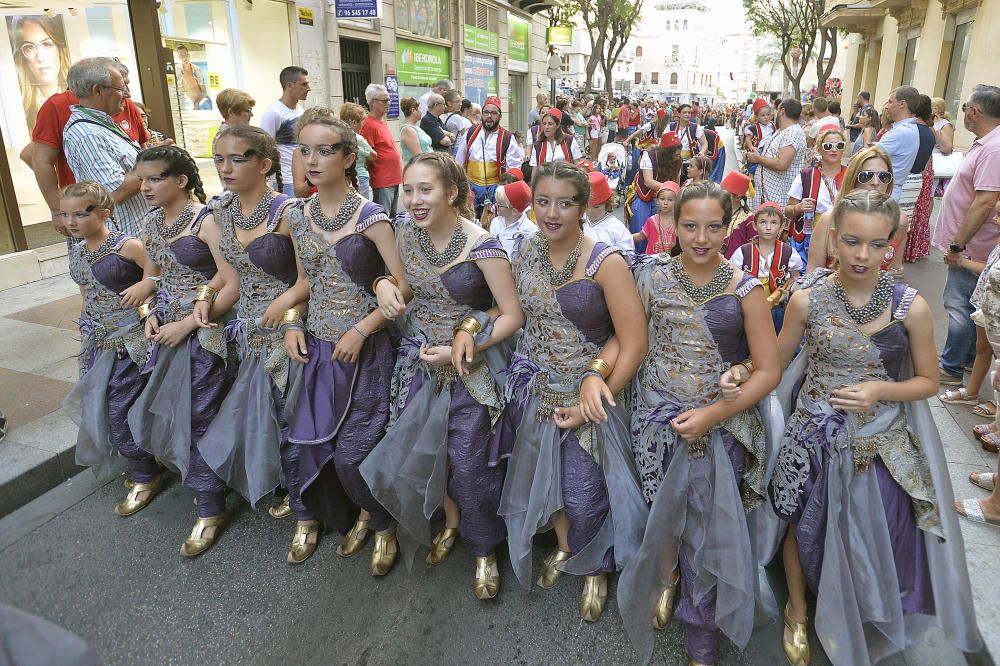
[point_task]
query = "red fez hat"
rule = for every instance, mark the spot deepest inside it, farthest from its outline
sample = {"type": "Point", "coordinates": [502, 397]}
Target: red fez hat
{"type": "Point", "coordinates": [769, 206]}
{"type": "Point", "coordinates": [600, 189]}
{"type": "Point", "coordinates": [736, 182]}
{"type": "Point", "coordinates": [518, 195]}
{"type": "Point", "coordinates": [669, 140]}
{"type": "Point", "coordinates": [494, 100]}
{"type": "Point", "coordinates": [672, 186]}
{"type": "Point", "coordinates": [759, 104]}
{"type": "Point", "coordinates": [517, 173]}
{"type": "Point", "coordinates": [587, 165]}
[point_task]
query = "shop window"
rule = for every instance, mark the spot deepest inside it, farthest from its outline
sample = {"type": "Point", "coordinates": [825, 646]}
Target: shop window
{"type": "Point", "coordinates": [198, 18]}
{"type": "Point", "coordinates": [956, 66]}
{"type": "Point", "coordinates": [655, 78]}
{"type": "Point", "coordinates": [101, 27]}
{"type": "Point", "coordinates": [427, 18]}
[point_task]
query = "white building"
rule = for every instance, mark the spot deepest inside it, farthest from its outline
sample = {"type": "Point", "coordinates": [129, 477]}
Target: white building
{"type": "Point", "coordinates": [674, 59]}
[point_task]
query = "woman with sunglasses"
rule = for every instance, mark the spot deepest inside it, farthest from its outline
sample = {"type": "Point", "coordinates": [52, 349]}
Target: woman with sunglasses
{"type": "Point", "coordinates": [870, 169]}
{"type": "Point", "coordinates": [813, 192]}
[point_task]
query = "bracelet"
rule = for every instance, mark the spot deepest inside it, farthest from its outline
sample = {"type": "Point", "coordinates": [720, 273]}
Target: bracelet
{"type": "Point", "coordinates": [748, 364]}
{"type": "Point", "coordinates": [154, 278]}
{"type": "Point", "coordinates": [601, 367]}
{"type": "Point", "coordinates": [205, 293]}
{"type": "Point", "coordinates": [591, 373]}
{"type": "Point", "coordinates": [390, 278]}
{"type": "Point", "coordinates": [144, 311]}
{"type": "Point", "coordinates": [291, 316]}
{"type": "Point", "coordinates": [360, 332]}
{"type": "Point", "coordinates": [470, 325]}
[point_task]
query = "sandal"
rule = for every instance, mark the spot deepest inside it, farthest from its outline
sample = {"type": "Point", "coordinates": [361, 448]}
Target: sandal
{"type": "Point", "coordinates": [973, 510]}
{"type": "Point", "coordinates": [990, 442]}
{"type": "Point", "coordinates": [983, 429]}
{"type": "Point", "coordinates": [959, 396]}
{"type": "Point", "coordinates": [984, 480]}
{"type": "Point", "coordinates": [987, 410]}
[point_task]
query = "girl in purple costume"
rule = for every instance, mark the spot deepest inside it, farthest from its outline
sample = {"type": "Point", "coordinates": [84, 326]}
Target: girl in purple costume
{"type": "Point", "coordinates": [342, 410]}
{"type": "Point", "coordinates": [860, 475]}
{"type": "Point", "coordinates": [436, 452]}
{"type": "Point", "coordinates": [562, 463]}
{"type": "Point", "coordinates": [111, 269]}
{"type": "Point", "coordinates": [187, 371]}
{"type": "Point", "coordinates": [702, 459]}
{"type": "Point", "coordinates": [247, 442]}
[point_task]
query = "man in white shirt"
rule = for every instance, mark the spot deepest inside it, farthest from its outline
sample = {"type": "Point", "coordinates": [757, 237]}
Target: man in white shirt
{"type": "Point", "coordinates": [280, 119]}
{"type": "Point", "coordinates": [692, 135]}
{"type": "Point", "coordinates": [511, 223]}
{"type": "Point", "coordinates": [487, 151]}
{"type": "Point", "coordinates": [441, 87]}
{"type": "Point", "coordinates": [599, 223]}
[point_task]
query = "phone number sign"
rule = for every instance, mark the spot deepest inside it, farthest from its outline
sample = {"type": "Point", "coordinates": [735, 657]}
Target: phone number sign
{"type": "Point", "coordinates": [357, 8]}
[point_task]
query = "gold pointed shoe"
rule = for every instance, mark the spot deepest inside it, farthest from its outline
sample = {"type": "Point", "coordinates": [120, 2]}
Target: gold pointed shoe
{"type": "Point", "coordinates": [550, 573]}
{"type": "Point", "coordinates": [198, 543]}
{"type": "Point", "coordinates": [665, 606]}
{"type": "Point", "coordinates": [487, 583]}
{"type": "Point", "coordinates": [593, 598]}
{"type": "Point", "coordinates": [132, 504]}
{"type": "Point", "coordinates": [281, 510]}
{"type": "Point", "coordinates": [302, 549]}
{"type": "Point", "coordinates": [797, 650]}
{"type": "Point", "coordinates": [355, 540]}
{"type": "Point", "coordinates": [384, 556]}
{"type": "Point", "coordinates": [442, 546]}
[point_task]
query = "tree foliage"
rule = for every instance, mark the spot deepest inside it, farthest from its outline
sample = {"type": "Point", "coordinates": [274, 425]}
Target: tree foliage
{"type": "Point", "coordinates": [608, 24]}
{"type": "Point", "coordinates": [795, 24]}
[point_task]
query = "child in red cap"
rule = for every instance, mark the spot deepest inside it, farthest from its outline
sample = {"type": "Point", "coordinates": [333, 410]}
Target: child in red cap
{"type": "Point", "coordinates": [741, 227]}
{"type": "Point", "coordinates": [511, 222]}
{"type": "Point", "coordinates": [599, 223]}
{"type": "Point", "coordinates": [659, 230]}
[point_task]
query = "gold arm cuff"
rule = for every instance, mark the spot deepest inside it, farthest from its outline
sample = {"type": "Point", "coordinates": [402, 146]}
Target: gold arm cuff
{"type": "Point", "coordinates": [291, 316]}
{"type": "Point", "coordinates": [601, 367]}
{"type": "Point", "coordinates": [470, 325]}
{"type": "Point", "coordinates": [204, 293]}
{"type": "Point", "coordinates": [390, 278]}
{"type": "Point", "coordinates": [143, 311]}
{"type": "Point", "coordinates": [748, 364]}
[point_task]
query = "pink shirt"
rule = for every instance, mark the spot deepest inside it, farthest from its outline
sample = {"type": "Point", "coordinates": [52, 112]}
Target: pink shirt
{"type": "Point", "coordinates": [979, 172]}
{"type": "Point", "coordinates": [654, 245]}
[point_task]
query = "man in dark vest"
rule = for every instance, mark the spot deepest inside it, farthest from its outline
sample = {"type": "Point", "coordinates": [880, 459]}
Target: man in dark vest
{"type": "Point", "coordinates": [486, 152]}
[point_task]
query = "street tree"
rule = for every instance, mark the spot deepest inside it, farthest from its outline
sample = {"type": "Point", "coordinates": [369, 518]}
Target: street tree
{"type": "Point", "coordinates": [795, 25]}
{"type": "Point", "coordinates": [608, 24]}
{"type": "Point", "coordinates": [623, 17]}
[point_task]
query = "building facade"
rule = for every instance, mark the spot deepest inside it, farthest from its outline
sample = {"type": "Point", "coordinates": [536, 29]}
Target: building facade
{"type": "Point", "coordinates": [942, 47]}
{"type": "Point", "coordinates": [181, 53]}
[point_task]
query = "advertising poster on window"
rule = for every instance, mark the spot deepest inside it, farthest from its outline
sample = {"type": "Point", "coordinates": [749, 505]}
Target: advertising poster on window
{"type": "Point", "coordinates": [480, 77]}
{"type": "Point", "coordinates": [419, 66]}
{"type": "Point", "coordinates": [518, 34]}
{"type": "Point", "coordinates": [392, 87]}
{"type": "Point", "coordinates": [191, 67]}
{"type": "Point", "coordinates": [41, 59]}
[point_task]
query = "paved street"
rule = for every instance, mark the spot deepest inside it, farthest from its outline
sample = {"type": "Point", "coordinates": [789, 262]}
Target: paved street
{"type": "Point", "coordinates": [120, 583]}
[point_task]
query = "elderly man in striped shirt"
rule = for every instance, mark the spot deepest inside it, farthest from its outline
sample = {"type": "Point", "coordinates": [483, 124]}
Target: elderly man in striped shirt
{"type": "Point", "coordinates": [98, 149]}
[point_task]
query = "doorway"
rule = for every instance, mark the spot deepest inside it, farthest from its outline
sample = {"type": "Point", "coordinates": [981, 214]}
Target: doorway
{"type": "Point", "coordinates": [355, 70]}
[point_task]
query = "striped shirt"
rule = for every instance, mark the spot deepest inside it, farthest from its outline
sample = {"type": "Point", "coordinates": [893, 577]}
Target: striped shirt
{"type": "Point", "coordinates": [771, 185]}
{"type": "Point", "coordinates": [97, 152]}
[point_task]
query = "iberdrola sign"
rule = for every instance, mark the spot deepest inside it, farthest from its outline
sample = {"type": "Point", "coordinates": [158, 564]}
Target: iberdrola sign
{"type": "Point", "coordinates": [417, 62]}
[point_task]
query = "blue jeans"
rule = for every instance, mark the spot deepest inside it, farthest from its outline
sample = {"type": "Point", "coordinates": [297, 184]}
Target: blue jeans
{"type": "Point", "coordinates": [961, 342]}
{"type": "Point", "coordinates": [387, 197]}
{"type": "Point", "coordinates": [483, 195]}
{"type": "Point", "coordinates": [364, 188]}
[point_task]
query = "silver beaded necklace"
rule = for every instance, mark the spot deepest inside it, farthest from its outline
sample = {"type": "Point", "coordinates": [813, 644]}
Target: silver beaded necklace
{"type": "Point", "coordinates": [179, 225]}
{"type": "Point", "coordinates": [258, 215]}
{"type": "Point", "coordinates": [562, 276]}
{"type": "Point", "coordinates": [341, 217]}
{"type": "Point", "coordinates": [104, 249]}
{"type": "Point", "coordinates": [717, 285]}
{"type": "Point", "coordinates": [876, 305]}
{"type": "Point", "coordinates": [451, 251]}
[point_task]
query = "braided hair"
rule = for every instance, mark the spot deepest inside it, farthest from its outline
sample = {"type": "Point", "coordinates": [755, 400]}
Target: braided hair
{"type": "Point", "coordinates": [451, 174]}
{"type": "Point", "coordinates": [262, 146]}
{"type": "Point", "coordinates": [321, 115]}
{"type": "Point", "coordinates": [869, 202]}
{"type": "Point", "coordinates": [176, 162]}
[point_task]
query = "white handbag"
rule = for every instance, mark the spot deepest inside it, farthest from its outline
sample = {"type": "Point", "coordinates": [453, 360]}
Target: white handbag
{"type": "Point", "coordinates": [946, 166]}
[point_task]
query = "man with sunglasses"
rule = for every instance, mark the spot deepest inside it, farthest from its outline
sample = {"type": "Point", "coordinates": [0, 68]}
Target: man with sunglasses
{"type": "Point", "coordinates": [385, 173]}
{"type": "Point", "coordinates": [903, 140]}
{"type": "Point", "coordinates": [964, 228]}
{"type": "Point", "coordinates": [486, 152]}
